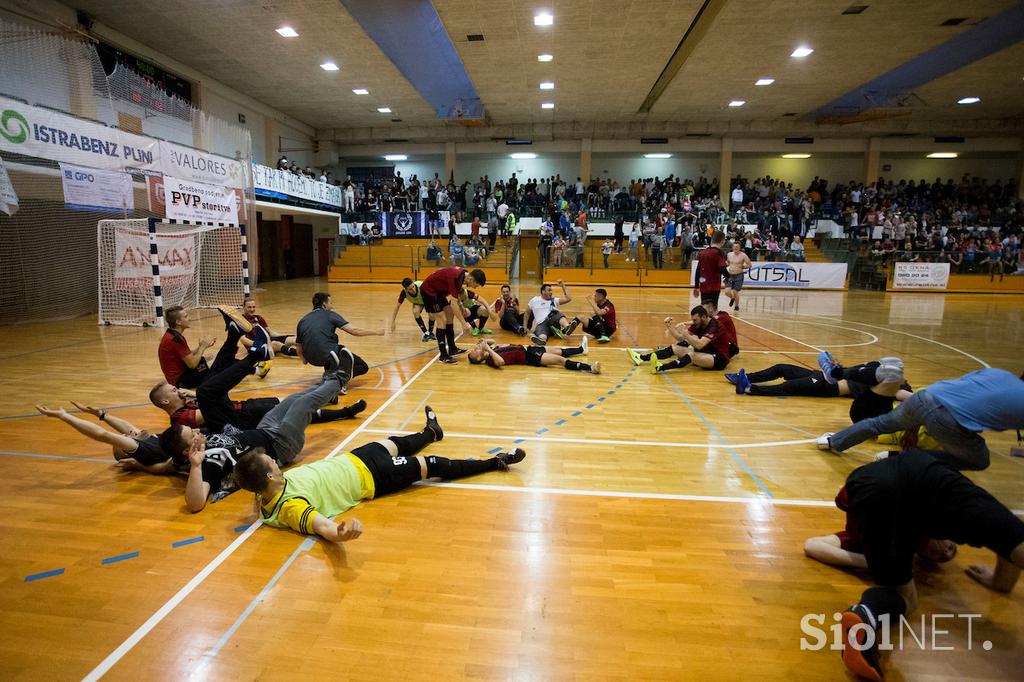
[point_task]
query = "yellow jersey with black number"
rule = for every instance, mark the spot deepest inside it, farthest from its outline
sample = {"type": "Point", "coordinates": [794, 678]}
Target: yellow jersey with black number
{"type": "Point", "coordinates": [328, 487]}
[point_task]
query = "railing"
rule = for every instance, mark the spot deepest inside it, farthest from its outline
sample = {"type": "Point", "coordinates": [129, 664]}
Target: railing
{"type": "Point", "coordinates": [501, 257]}
{"type": "Point", "coordinates": [674, 257]}
{"type": "Point", "coordinates": [959, 262]}
{"type": "Point", "coordinates": [378, 256]}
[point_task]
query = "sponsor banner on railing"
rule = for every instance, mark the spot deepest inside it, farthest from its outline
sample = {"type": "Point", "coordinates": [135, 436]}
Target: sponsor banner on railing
{"type": "Point", "coordinates": [920, 276]}
{"type": "Point", "coordinates": [91, 188]}
{"type": "Point", "coordinates": [790, 275]}
{"type": "Point", "coordinates": [198, 166]}
{"type": "Point", "coordinates": [199, 202]}
{"type": "Point", "coordinates": [281, 184]}
{"type": "Point", "coordinates": [404, 224]}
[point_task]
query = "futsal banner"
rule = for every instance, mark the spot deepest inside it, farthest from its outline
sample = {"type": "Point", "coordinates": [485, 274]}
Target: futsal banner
{"type": "Point", "coordinates": [404, 224]}
{"type": "Point", "coordinates": [784, 275]}
{"type": "Point", "coordinates": [94, 189]}
{"type": "Point", "coordinates": [920, 276]}
{"type": "Point", "coordinates": [133, 265]}
{"type": "Point", "coordinates": [199, 202]}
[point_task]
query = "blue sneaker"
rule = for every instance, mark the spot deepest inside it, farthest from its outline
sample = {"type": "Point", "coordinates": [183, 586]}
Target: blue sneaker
{"type": "Point", "coordinates": [261, 347]}
{"type": "Point", "coordinates": [742, 382]}
{"type": "Point", "coordinates": [828, 364]}
{"type": "Point", "coordinates": [731, 377]}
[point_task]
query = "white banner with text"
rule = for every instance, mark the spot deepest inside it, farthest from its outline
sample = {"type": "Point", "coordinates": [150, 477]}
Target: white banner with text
{"type": "Point", "coordinates": [785, 275]}
{"type": "Point", "coordinates": [920, 276]}
{"type": "Point", "coordinates": [91, 188]}
{"type": "Point", "coordinates": [199, 202]}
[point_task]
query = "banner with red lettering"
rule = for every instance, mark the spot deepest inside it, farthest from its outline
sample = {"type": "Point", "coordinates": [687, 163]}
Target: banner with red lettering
{"type": "Point", "coordinates": [133, 270]}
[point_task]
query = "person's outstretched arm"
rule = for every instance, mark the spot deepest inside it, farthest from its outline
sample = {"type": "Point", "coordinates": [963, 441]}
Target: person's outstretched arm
{"type": "Point", "coordinates": [337, 532]}
{"type": "Point", "coordinates": [827, 550]}
{"type": "Point", "coordinates": [1004, 575]}
{"type": "Point", "coordinates": [358, 331]}
{"type": "Point", "coordinates": [565, 297]}
{"type": "Point", "coordinates": [196, 489]}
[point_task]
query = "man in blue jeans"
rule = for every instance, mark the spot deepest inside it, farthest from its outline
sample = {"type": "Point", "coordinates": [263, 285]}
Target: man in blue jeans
{"type": "Point", "coordinates": [954, 413]}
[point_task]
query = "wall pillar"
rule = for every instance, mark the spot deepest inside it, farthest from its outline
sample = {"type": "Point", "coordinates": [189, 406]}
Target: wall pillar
{"type": "Point", "coordinates": [872, 160]}
{"type": "Point", "coordinates": [725, 174]}
{"type": "Point", "coordinates": [1019, 171]}
{"type": "Point", "coordinates": [271, 141]}
{"type": "Point", "coordinates": [450, 162]}
{"type": "Point", "coordinates": [585, 146]}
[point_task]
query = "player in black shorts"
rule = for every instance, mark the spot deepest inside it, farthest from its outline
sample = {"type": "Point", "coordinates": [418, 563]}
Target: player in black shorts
{"type": "Point", "coordinates": [134, 448]}
{"type": "Point", "coordinates": [498, 356]}
{"type": "Point", "coordinates": [893, 505]}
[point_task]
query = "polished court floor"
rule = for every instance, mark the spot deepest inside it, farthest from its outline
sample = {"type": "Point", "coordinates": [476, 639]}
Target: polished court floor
{"type": "Point", "coordinates": [654, 531]}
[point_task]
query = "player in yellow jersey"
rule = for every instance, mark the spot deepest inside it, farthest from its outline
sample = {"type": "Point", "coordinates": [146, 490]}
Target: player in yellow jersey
{"type": "Point", "coordinates": [308, 497]}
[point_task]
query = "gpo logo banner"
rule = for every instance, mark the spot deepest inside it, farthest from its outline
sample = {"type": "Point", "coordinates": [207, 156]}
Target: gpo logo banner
{"type": "Point", "coordinates": [95, 189]}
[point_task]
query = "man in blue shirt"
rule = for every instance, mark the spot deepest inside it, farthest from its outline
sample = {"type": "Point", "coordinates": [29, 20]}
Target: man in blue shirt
{"type": "Point", "coordinates": [954, 413]}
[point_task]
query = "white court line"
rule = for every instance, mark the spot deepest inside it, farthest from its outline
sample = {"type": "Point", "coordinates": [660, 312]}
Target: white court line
{"type": "Point", "coordinates": [600, 441]}
{"type": "Point", "coordinates": [772, 331]}
{"type": "Point", "coordinates": [127, 645]}
{"type": "Point", "coordinates": [377, 385]}
{"type": "Point", "coordinates": [641, 496]}
{"type": "Point", "coordinates": [415, 410]}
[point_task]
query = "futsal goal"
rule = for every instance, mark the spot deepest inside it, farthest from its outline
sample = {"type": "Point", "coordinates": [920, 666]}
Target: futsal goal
{"type": "Point", "coordinates": [149, 264]}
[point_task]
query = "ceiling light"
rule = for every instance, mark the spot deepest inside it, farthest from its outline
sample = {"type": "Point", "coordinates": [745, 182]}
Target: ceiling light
{"type": "Point", "coordinates": [968, 100]}
{"type": "Point", "coordinates": [764, 81]}
{"type": "Point", "coordinates": [737, 103]}
{"type": "Point", "coordinates": [547, 105]}
{"type": "Point", "coordinates": [545, 57]}
{"type": "Point", "coordinates": [384, 110]}
{"type": "Point", "coordinates": [395, 157]}
{"type": "Point", "coordinates": [942, 155]}
{"type": "Point", "coordinates": [547, 85]}
{"type": "Point", "coordinates": [523, 155]}
{"type": "Point", "coordinates": [329, 66]}
{"type": "Point", "coordinates": [361, 91]}
{"type": "Point", "coordinates": [796, 156]}
{"type": "Point", "coordinates": [801, 52]}
{"type": "Point", "coordinates": [543, 19]}
{"type": "Point", "coordinates": [657, 156]}
{"type": "Point", "coordinates": [287, 32]}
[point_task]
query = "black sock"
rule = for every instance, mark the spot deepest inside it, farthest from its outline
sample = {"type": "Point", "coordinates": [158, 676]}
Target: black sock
{"type": "Point", "coordinates": [423, 327]}
{"type": "Point", "coordinates": [442, 346]}
{"type": "Point", "coordinates": [882, 601]}
{"type": "Point", "coordinates": [569, 352]}
{"type": "Point", "coordinates": [480, 323]}
{"type": "Point", "coordinates": [413, 443]}
{"type": "Point", "coordinates": [290, 351]}
{"type": "Point", "coordinates": [676, 364]}
{"type": "Point", "coordinates": [430, 328]}
{"type": "Point", "coordinates": [646, 357]}
{"type": "Point", "coordinates": [442, 467]}
{"type": "Point", "coordinates": [577, 366]}
{"type": "Point", "coordinates": [663, 353]}
{"type": "Point", "coordinates": [449, 334]}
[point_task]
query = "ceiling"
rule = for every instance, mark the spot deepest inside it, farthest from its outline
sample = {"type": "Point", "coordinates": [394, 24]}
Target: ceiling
{"type": "Point", "coordinates": [607, 57]}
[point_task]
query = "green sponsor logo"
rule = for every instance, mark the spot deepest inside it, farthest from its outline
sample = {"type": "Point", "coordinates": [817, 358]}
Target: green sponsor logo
{"type": "Point", "coordinates": [12, 119]}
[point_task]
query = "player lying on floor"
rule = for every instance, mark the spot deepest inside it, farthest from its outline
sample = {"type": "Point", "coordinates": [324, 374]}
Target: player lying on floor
{"type": "Point", "coordinates": [493, 355]}
{"type": "Point", "coordinates": [308, 497]}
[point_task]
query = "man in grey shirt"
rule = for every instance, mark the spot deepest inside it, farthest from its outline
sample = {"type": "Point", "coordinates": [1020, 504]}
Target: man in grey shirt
{"type": "Point", "coordinates": [317, 341]}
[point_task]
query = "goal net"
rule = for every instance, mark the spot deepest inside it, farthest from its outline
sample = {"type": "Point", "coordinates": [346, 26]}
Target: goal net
{"type": "Point", "coordinates": [149, 265]}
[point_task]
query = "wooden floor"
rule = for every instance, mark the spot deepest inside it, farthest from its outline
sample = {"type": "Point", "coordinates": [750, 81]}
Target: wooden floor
{"type": "Point", "coordinates": [654, 531]}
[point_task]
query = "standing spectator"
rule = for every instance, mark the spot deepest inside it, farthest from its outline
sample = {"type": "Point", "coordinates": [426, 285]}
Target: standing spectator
{"type": "Point", "coordinates": [619, 220]}
{"type": "Point", "coordinates": [606, 250]}
{"type": "Point", "coordinates": [634, 243]}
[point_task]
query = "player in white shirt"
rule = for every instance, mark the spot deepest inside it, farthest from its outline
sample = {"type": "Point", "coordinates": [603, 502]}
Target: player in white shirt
{"type": "Point", "coordinates": [546, 317]}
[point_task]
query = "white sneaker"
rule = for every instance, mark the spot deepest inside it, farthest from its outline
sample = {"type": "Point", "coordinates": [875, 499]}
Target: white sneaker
{"type": "Point", "coordinates": [595, 368]}
{"type": "Point", "coordinates": [585, 345]}
{"type": "Point", "coordinates": [823, 442]}
{"type": "Point", "coordinates": [884, 454]}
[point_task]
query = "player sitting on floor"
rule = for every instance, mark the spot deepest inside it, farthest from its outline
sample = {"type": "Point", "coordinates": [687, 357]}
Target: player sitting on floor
{"type": "Point", "coordinates": [489, 353]}
{"type": "Point", "coordinates": [283, 344]}
{"type": "Point", "coordinates": [181, 365]}
{"type": "Point", "coordinates": [600, 325]}
{"type": "Point", "coordinates": [476, 311]}
{"type": "Point", "coordinates": [705, 344]}
{"type": "Point", "coordinates": [507, 310]}
{"type": "Point", "coordinates": [547, 318]}
{"type": "Point", "coordinates": [308, 497]}
{"type": "Point", "coordinates": [411, 292]}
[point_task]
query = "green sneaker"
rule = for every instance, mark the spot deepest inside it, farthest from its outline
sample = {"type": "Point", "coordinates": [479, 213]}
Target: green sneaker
{"type": "Point", "coordinates": [655, 364]}
{"type": "Point", "coordinates": [486, 331]}
{"type": "Point", "coordinates": [634, 356]}
{"type": "Point", "coordinates": [475, 331]}
{"type": "Point", "coordinates": [603, 339]}
{"type": "Point", "coordinates": [557, 331]}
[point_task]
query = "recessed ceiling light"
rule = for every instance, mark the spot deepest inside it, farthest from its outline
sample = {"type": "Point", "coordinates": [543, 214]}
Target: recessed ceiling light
{"type": "Point", "coordinates": [543, 19]}
{"type": "Point", "coordinates": [547, 105]}
{"type": "Point", "coordinates": [764, 81]}
{"type": "Point", "coordinates": [942, 155]}
{"type": "Point", "coordinates": [547, 85]}
{"type": "Point", "coordinates": [395, 157]}
{"type": "Point", "coordinates": [384, 110]}
{"type": "Point", "coordinates": [796, 156]}
{"type": "Point", "coordinates": [361, 91]}
{"type": "Point", "coordinates": [523, 155]}
{"type": "Point", "coordinates": [329, 66]}
{"type": "Point", "coordinates": [657, 156]}
{"type": "Point", "coordinates": [801, 52]}
{"type": "Point", "coordinates": [287, 32]}
{"type": "Point", "coordinates": [968, 100]}
{"type": "Point", "coordinates": [737, 103]}
{"type": "Point", "coordinates": [545, 57]}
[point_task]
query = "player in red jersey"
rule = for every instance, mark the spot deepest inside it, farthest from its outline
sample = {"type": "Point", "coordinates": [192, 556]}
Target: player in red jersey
{"type": "Point", "coordinates": [711, 267]}
{"type": "Point", "coordinates": [601, 325]}
{"type": "Point", "coordinates": [705, 343]}
{"type": "Point", "coordinates": [489, 353]}
{"type": "Point", "coordinates": [283, 344]}
{"type": "Point", "coordinates": [436, 288]}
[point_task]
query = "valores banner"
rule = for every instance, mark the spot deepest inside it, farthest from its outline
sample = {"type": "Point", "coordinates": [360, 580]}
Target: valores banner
{"type": "Point", "coordinates": [199, 202]}
{"type": "Point", "coordinates": [920, 276]}
{"type": "Point", "coordinates": [785, 275]}
{"type": "Point", "coordinates": [95, 189]}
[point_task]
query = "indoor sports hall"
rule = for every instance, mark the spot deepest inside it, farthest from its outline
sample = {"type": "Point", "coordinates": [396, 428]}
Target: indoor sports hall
{"type": "Point", "coordinates": [810, 238]}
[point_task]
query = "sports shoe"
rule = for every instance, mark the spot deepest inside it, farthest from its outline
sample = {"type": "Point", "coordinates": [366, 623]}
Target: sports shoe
{"type": "Point", "coordinates": [507, 459]}
{"type": "Point", "coordinates": [537, 341]}
{"type": "Point", "coordinates": [330, 366]}
{"type": "Point", "coordinates": [655, 364]}
{"type": "Point", "coordinates": [634, 356]}
{"type": "Point", "coordinates": [823, 441]}
{"type": "Point", "coordinates": [828, 365]}
{"type": "Point", "coordinates": [557, 331]}
{"type": "Point", "coordinates": [263, 369]}
{"type": "Point", "coordinates": [449, 360]}
{"type": "Point", "coordinates": [884, 454]}
{"type": "Point", "coordinates": [475, 331]}
{"type": "Point", "coordinates": [603, 339]}
{"type": "Point", "coordinates": [432, 423]}
{"type": "Point", "coordinates": [485, 330]}
{"type": "Point", "coordinates": [459, 351]}
{"type": "Point", "coordinates": [344, 375]}
{"type": "Point", "coordinates": [742, 382]}
{"type": "Point", "coordinates": [432, 336]}
{"type": "Point", "coordinates": [426, 337]}
{"type": "Point", "coordinates": [585, 345]}
{"type": "Point", "coordinates": [233, 319]}
{"type": "Point", "coordinates": [595, 368]}
{"type": "Point", "coordinates": [355, 408]}
{"type": "Point", "coordinates": [731, 377]}
{"type": "Point", "coordinates": [859, 658]}
{"type": "Point", "coordinates": [261, 347]}
{"type": "Point", "coordinates": [572, 326]}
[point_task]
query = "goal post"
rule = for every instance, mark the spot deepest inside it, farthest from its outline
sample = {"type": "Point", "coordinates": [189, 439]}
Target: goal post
{"type": "Point", "coordinates": [149, 264]}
